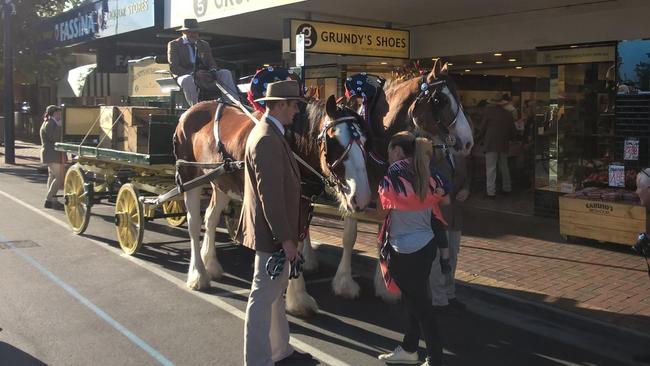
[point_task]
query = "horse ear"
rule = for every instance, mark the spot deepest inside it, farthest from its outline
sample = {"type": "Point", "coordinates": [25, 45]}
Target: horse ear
{"type": "Point", "coordinates": [330, 107]}
{"type": "Point", "coordinates": [444, 69]}
{"type": "Point", "coordinates": [435, 71]}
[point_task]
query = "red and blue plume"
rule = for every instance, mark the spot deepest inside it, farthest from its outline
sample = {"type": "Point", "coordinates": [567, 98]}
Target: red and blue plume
{"type": "Point", "coordinates": [263, 77]}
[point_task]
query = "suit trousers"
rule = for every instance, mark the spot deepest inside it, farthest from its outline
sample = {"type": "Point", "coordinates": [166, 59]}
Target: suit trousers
{"type": "Point", "coordinates": [443, 287]}
{"type": "Point", "coordinates": [54, 180]}
{"type": "Point", "coordinates": [266, 332]}
{"type": "Point", "coordinates": [191, 91]}
{"type": "Point", "coordinates": [492, 159]}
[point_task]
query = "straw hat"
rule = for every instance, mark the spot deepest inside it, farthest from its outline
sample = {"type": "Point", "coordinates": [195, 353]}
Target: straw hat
{"type": "Point", "coordinates": [282, 90]}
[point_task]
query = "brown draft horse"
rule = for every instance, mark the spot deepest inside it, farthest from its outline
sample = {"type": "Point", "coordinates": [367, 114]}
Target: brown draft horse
{"type": "Point", "coordinates": [328, 137]}
{"type": "Point", "coordinates": [427, 102]}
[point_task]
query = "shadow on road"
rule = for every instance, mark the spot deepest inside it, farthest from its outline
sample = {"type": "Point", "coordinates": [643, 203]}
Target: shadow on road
{"type": "Point", "coordinates": [10, 355]}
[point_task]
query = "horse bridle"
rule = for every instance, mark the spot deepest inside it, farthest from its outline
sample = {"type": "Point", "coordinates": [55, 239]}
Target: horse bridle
{"type": "Point", "coordinates": [355, 139]}
{"type": "Point", "coordinates": [428, 92]}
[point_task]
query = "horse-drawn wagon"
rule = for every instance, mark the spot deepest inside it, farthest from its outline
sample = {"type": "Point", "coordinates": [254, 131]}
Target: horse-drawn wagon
{"type": "Point", "coordinates": [133, 170]}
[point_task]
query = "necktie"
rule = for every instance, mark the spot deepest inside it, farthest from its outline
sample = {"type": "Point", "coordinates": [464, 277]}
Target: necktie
{"type": "Point", "coordinates": [193, 52]}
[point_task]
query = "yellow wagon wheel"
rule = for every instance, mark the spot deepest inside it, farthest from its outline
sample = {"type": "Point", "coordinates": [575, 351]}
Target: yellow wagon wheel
{"type": "Point", "coordinates": [175, 207]}
{"type": "Point", "coordinates": [76, 206]}
{"type": "Point", "coordinates": [129, 219]}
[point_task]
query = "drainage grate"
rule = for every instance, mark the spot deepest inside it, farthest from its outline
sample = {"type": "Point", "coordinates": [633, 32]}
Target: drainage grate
{"type": "Point", "coordinates": [19, 244]}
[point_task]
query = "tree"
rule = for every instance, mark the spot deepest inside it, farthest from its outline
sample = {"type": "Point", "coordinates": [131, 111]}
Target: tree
{"type": "Point", "coordinates": [30, 65]}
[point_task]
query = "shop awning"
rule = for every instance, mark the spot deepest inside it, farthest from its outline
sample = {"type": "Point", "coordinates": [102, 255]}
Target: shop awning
{"type": "Point", "coordinates": [77, 78]}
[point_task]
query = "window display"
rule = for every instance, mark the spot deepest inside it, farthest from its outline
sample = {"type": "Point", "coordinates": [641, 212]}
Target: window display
{"type": "Point", "coordinates": [575, 141]}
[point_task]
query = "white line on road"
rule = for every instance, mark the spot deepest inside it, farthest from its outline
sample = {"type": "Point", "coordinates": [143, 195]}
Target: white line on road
{"type": "Point", "coordinates": [317, 353]}
{"type": "Point", "coordinates": [95, 309]}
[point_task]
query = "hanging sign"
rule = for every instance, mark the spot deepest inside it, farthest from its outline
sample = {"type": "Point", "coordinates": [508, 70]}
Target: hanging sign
{"type": "Point", "coordinates": [631, 149]}
{"type": "Point", "coordinates": [576, 55]}
{"type": "Point", "coordinates": [300, 50]}
{"type": "Point", "coordinates": [344, 39]}
{"type": "Point", "coordinates": [616, 176]}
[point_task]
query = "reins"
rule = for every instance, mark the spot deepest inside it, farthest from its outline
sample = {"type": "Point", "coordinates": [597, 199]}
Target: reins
{"type": "Point", "coordinates": [329, 181]}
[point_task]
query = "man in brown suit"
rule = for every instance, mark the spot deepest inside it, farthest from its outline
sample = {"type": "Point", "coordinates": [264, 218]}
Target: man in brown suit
{"type": "Point", "coordinates": [269, 222]}
{"type": "Point", "coordinates": [498, 128]}
{"type": "Point", "coordinates": [190, 60]}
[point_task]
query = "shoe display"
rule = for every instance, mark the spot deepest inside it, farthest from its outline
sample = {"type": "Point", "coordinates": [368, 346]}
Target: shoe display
{"type": "Point", "coordinates": [399, 355]}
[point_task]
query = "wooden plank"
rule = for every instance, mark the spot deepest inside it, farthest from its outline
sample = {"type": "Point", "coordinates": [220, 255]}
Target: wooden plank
{"type": "Point", "coordinates": [367, 216]}
{"type": "Point", "coordinates": [598, 221]}
{"type": "Point", "coordinates": [607, 235]}
{"type": "Point", "coordinates": [603, 208]}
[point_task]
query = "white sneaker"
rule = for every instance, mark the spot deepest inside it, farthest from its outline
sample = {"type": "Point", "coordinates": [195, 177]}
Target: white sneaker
{"type": "Point", "coordinates": [400, 356]}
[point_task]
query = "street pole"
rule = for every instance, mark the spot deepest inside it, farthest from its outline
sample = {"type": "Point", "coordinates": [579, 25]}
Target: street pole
{"type": "Point", "coordinates": [8, 10]}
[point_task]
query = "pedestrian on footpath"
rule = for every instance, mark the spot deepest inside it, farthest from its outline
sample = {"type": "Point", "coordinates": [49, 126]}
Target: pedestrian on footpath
{"type": "Point", "coordinates": [412, 196]}
{"type": "Point", "coordinates": [443, 285]}
{"type": "Point", "coordinates": [270, 221]}
{"type": "Point", "coordinates": [51, 133]}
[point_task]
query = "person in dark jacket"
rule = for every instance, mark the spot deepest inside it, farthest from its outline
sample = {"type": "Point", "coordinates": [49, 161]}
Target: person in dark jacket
{"type": "Point", "coordinates": [498, 128]}
{"type": "Point", "coordinates": [50, 133]}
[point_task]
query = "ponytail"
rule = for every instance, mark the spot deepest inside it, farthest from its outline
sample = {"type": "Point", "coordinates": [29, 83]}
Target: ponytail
{"type": "Point", "coordinates": [421, 151]}
{"type": "Point", "coordinates": [421, 159]}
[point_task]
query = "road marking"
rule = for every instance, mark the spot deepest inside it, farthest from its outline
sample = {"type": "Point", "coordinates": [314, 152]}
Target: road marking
{"type": "Point", "coordinates": [317, 353]}
{"type": "Point", "coordinates": [95, 309]}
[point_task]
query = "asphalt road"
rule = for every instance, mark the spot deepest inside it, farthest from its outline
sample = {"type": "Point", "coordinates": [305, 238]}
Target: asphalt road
{"type": "Point", "coordinates": [75, 300]}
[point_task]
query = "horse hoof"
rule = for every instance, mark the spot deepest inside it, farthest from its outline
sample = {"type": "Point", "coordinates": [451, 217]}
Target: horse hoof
{"type": "Point", "coordinates": [215, 270]}
{"type": "Point", "coordinates": [345, 286]}
{"type": "Point", "coordinates": [302, 306]}
{"type": "Point", "coordinates": [196, 282]}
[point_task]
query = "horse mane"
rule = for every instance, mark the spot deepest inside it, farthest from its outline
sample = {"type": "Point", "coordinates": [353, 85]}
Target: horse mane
{"type": "Point", "coordinates": [305, 129]}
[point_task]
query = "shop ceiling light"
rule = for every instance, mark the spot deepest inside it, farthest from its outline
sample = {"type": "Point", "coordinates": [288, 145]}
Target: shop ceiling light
{"type": "Point", "coordinates": [478, 62]}
{"type": "Point", "coordinates": [450, 64]}
{"type": "Point", "coordinates": [512, 59]}
{"type": "Point", "coordinates": [384, 63]}
{"type": "Point", "coordinates": [498, 54]}
{"type": "Point", "coordinates": [467, 70]}
{"type": "Point", "coordinates": [574, 46]}
{"type": "Point", "coordinates": [266, 65]}
{"type": "Point", "coordinates": [518, 67]}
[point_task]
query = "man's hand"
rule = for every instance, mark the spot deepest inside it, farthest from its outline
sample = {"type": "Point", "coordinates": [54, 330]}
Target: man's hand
{"type": "Point", "coordinates": [462, 195]}
{"type": "Point", "coordinates": [290, 250]}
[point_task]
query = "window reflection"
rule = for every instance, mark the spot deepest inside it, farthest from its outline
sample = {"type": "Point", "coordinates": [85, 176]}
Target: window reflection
{"type": "Point", "coordinates": [633, 66]}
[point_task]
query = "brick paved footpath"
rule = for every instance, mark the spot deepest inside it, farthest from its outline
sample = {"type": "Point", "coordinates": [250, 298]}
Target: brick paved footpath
{"type": "Point", "coordinates": [521, 257]}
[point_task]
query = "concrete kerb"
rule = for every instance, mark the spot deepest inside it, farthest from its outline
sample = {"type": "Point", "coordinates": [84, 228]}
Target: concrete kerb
{"type": "Point", "coordinates": [364, 266]}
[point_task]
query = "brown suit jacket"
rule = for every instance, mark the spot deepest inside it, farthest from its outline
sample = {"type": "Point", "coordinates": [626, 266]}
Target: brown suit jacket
{"type": "Point", "coordinates": [178, 55]}
{"type": "Point", "coordinates": [271, 209]}
{"type": "Point", "coordinates": [498, 128]}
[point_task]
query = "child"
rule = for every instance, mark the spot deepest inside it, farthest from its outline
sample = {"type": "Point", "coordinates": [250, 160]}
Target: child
{"type": "Point", "coordinates": [413, 230]}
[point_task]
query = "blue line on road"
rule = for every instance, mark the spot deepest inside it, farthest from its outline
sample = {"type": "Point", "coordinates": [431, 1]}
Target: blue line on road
{"type": "Point", "coordinates": [101, 313]}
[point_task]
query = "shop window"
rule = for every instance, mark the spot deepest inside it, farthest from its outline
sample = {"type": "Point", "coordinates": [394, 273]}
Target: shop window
{"type": "Point", "coordinates": [575, 137]}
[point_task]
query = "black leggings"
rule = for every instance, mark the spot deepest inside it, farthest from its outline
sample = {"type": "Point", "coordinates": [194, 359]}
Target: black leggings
{"type": "Point", "coordinates": [411, 274]}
